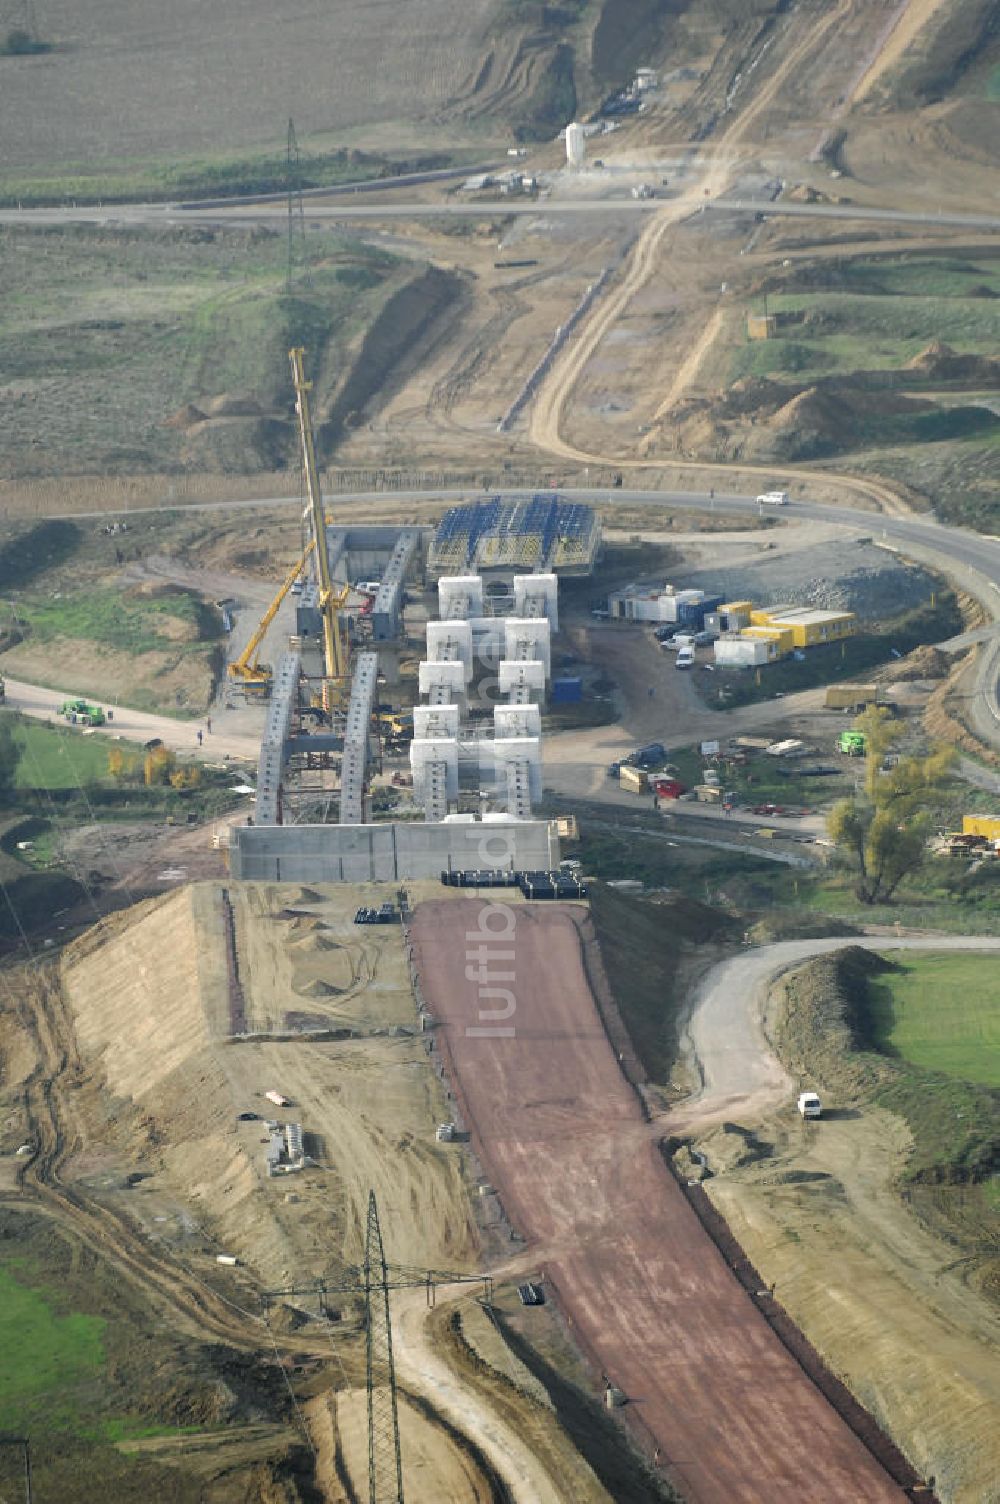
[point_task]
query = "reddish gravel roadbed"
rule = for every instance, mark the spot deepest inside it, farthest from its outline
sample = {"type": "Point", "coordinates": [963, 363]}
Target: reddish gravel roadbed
{"type": "Point", "coordinates": [562, 1137]}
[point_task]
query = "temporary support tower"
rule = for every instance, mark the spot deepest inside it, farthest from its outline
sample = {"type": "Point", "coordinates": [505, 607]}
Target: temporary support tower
{"type": "Point", "coordinates": [385, 1464]}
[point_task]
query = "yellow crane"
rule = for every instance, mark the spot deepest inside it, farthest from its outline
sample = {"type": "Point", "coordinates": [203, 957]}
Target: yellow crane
{"type": "Point", "coordinates": [331, 597]}
{"type": "Point", "coordinates": [254, 676]}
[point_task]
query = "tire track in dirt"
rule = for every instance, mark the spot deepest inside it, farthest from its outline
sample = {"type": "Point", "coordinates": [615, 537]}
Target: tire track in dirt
{"type": "Point", "coordinates": [545, 427]}
{"type": "Point", "coordinates": [108, 1234]}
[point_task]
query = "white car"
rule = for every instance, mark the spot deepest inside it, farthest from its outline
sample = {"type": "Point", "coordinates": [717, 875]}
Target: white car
{"type": "Point", "coordinates": [809, 1105]}
{"type": "Point", "coordinates": [685, 658]}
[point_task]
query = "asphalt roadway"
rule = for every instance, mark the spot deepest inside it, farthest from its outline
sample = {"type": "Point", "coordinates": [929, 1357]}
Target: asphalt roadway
{"type": "Point", "coordinates": [244, 212]}
{"type": "Point", "coordinates": [717, 1398]}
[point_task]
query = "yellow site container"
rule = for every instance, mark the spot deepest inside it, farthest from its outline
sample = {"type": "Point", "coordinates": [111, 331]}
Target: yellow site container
{"type": "Point", "coordinates": [760, 617]}
{"type": "Point", "coordinates": [636, 780]}
{"type": "Point", "coordinates": [982, 825]}
{"type": "Point", "coordinates": [811, 628]}
{"type": "Point", "coordinates": [740, 608]}
{"type": "Point", "coordinates": [782, 637]}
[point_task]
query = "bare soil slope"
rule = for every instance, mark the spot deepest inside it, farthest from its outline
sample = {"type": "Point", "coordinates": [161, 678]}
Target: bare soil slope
{"type": "Point", "coordinates": [158, 1012]}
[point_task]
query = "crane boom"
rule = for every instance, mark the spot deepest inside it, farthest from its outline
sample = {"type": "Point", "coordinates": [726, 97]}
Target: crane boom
{"type": "Point", "coordinates": [246, 667]}
{"type": "Point", "coordinates": [333, 650]}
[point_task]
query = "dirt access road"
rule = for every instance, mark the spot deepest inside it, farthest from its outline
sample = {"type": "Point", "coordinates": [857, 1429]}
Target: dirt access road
{"type": "Point", "coordinates": [562, 1136]}
{"type": "Point", "coordinates": [222, 743]}
{"type": "Point", "coordinates": [724, 1039]}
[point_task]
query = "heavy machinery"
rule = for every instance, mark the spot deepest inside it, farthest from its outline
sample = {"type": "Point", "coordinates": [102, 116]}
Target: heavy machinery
{"type": "Point", "coordinates": [332, 597]}
{"type": "Point", "coordinates": [254, 676]}
{"type": "Point", "coordinates": [81, 713]}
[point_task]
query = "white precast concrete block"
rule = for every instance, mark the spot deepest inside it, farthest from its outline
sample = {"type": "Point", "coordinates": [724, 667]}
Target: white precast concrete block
{"type": "Point", "coordinates": [427, 755]}
{"type": "Point", "coordinates": [517, 720]}
{"type": "Point", "coordinates": [433, 721]}
{"type": "Point", "coordinates": [452, 676]}
{"type": "Point", "coordinates": [527, 639]}
{"type": "Point", "coordinates": [529, 675]}
{"type": "Point", "coordinates": [460, 596]}
{"type": "Point", "coordinates": [449, 640]}
{"type": "Point", "coordinates": [536, 594]}
{"type": "Point", "coordinates": [520, 749]}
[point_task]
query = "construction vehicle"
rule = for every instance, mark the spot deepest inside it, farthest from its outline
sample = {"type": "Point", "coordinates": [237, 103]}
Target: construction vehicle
{"type": "Point", "coordinates": [332, 598]}
{"type": "Point", "coordinates": [853, 698]}
{"type": "Point", "coordinates": [852, 743]}
{"type": "Point", "coordinates": [254, 676]}
{"type": "Point", "coordinates": [81, 713]}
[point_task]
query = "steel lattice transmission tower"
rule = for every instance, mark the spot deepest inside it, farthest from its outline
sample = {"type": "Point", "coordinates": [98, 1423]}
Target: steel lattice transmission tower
{"type": "Point", "coordinates": [385, 1464]}
{"type": "Point", "coordinates": [296, 207]}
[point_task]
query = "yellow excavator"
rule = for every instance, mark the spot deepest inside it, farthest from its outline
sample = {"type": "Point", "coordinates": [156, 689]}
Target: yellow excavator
{"type": "Point", "coordinates": [332, 597]}
{"type": "Point", "coordinates": [254, 676]}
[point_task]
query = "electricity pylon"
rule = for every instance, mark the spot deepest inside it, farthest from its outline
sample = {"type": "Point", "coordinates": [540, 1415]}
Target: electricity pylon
{"type": "Point", "coordinates": [385, 1464]}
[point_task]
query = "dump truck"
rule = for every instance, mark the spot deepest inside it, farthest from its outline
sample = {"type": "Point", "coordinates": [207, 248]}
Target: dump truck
{"type": "Point", "coordinates": [852, 743]}
{"type": "Point", "coordinates": [635, 780]}
{"type": "Point", "coordinates": [852, 697]}
{"type": "Point", "coordinates": [81, 713]}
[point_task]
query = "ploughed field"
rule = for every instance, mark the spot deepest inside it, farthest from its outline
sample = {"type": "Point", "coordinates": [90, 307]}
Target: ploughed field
{"type": "Point", "coordinates": [560, 1134]}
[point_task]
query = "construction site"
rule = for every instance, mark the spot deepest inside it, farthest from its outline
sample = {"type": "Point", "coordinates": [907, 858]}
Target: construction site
{"type": "Point", "coordinates": [499, 746]}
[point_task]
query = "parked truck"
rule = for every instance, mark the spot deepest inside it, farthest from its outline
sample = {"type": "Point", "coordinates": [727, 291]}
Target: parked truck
{"type": "Point", "coordinates": [648, 756]}
{"type": "Point", "coordinates": [852, 697]}
{"type": "Point", "coordinates": [636, 780]}
{"type": "Point", "coordinates": [81, 713]}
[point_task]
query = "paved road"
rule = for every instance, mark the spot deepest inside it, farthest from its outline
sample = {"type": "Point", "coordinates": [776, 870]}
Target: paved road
{"type": "Point", "coordinates": [561, 1135]}
{"type": "Point", "coordinates": [724, 1039]}
{"type": "Point", "coordinates": [972, 560]}
{"type": "Point", "coordinates": [264, 213]}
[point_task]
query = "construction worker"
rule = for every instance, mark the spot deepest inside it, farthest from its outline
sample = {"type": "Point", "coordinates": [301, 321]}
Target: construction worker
{"type": "Point", "coordinates": [199, 738]}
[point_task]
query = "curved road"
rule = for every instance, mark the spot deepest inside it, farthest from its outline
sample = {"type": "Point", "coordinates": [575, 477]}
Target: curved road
{"type": "Point", "coordinates": [724, 1037]}
{"type": "Point", "coordinates": [971, 560]}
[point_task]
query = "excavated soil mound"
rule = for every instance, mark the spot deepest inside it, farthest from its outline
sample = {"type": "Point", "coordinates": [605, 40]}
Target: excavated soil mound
{"type": "Point", "coordinates": [316, 988]}
{"type": "Point", "coordinates": [309, 944]}
{"type": "Point", "coordinates": [240, 444]}
{"type": "Point", "coordinates": [185, 417]}
{"type": "Point", "coordinates": [923, 663]}
{"type": "Point", "coordinates": [941, 363]}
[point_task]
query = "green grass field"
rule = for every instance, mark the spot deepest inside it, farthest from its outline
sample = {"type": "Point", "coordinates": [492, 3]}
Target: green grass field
{"type": "Point", "coordinates": [41, 1351]}
{"type": "Point", "coordinates": [942, 1012]}
{"type": "Point", "coordinates": [113, 333]}
{"type": "Point", "coordinates": [52, 758]}
{"type": "Point", "coordinates": [140, 624]}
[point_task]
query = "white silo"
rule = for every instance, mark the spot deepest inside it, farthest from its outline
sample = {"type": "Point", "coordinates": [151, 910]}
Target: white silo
{"type": "Point", "coordinates": [576, 144]}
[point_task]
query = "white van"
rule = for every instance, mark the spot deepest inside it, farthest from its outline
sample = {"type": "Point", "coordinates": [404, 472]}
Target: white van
{"type": "Point", "coordinates": [809, 1105]}
{"type": "Point", "coordinates": [685, 658]}
{"type": "Point", "coordinates": [773, 499]}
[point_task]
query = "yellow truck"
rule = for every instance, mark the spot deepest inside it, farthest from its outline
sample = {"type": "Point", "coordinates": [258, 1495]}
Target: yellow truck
{"type": "Point", "coordinates": [636, 780]}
